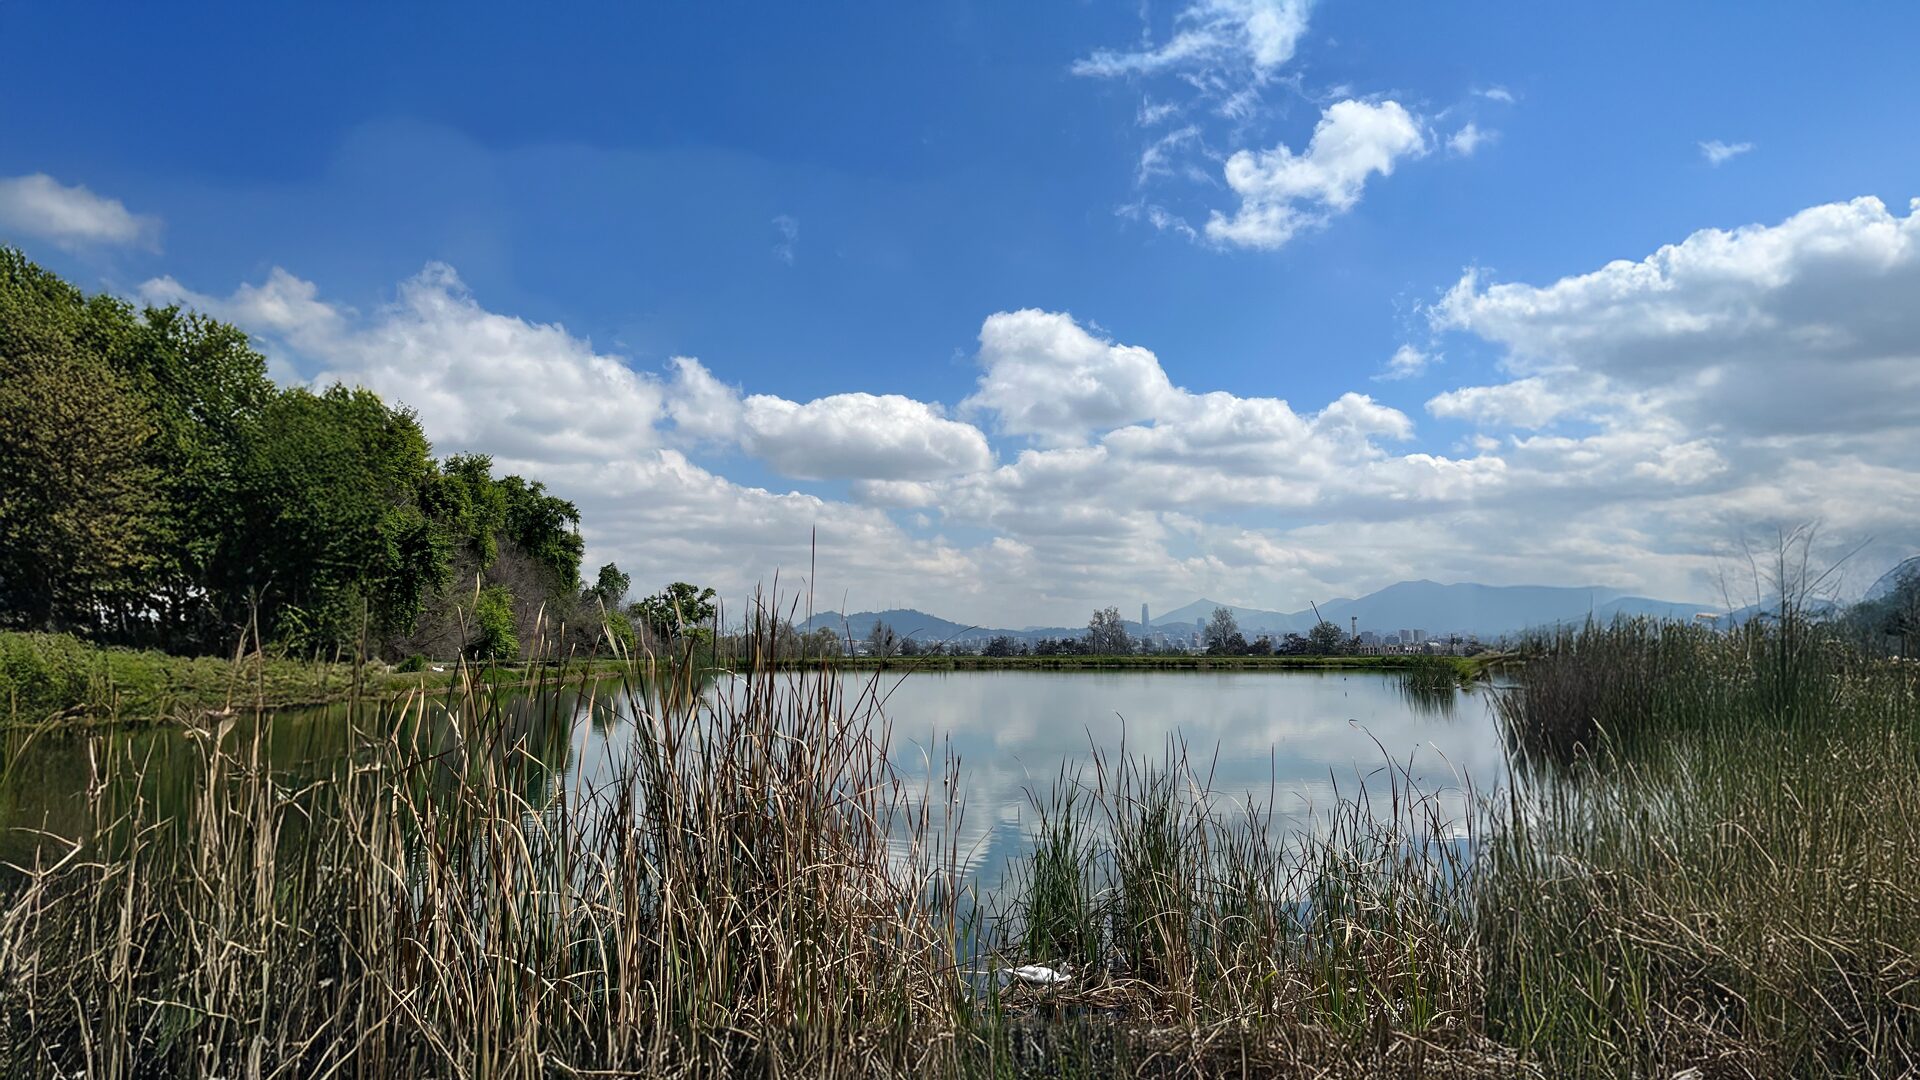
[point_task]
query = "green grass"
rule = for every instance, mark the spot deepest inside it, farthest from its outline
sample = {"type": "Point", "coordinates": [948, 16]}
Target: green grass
{"type": "Point", "coordinates": [1716, 859]}
{"type": "Point", "coordinates": [47, 676]}
{"type": "Point", "coordinates": [1749, 903]}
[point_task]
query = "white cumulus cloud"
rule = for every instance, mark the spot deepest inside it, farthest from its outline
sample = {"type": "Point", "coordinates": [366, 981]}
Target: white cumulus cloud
{"type": "Point", "coordinates": [860, 435]}
{"type": "Point", "coordinates": [1646, 409]}
{"type": "Point", "coordinates": [1282, 192]}
{"type": "Point", "coordinates": [39, 206]}
{"type": "Point", "coordinates": [1046, 376]}
{"type": "Point", "coordinates": [283, 305]}
{"type": "Point", "coordinates": [1524, 403]}
{"type": "Point", "coordinates": [1807, 325]}
{"type": "Point", "coordinates": [480, 380]}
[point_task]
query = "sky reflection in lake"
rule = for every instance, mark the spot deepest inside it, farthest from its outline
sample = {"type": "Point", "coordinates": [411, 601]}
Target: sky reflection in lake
{"type": "Point", "coordinates": [1303, 738]}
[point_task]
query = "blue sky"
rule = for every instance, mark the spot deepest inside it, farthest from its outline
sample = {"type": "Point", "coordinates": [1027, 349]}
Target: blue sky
{"type": "Point", "coordinates": [485, 214]}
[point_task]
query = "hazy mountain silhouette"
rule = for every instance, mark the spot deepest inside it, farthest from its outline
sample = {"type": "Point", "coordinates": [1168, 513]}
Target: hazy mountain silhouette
{"type": "Point", "coordinates": [1488, 611]}
{"type": "Point", "coordinates": [1891, 579]}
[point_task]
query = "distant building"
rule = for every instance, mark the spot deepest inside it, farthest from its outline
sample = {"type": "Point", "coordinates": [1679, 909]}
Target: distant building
{"type": "Point", "coordinates": [1144, 621]}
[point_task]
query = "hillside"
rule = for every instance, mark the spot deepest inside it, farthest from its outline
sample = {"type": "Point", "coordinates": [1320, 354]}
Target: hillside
{"type": "Point", "coordinates": [1487, 611]}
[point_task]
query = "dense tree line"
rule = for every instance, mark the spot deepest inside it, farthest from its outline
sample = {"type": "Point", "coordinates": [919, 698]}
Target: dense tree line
{"type": "Point", "coordinates": [157, 488]}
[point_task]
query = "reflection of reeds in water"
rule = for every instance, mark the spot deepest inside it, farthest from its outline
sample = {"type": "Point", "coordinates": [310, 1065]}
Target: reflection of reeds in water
{"type": "Point", "coordinates": [1441, 703]}
{"type": "Point", "coordinates": [1430, 685]}
{"type": "Point", "coordinates": [754, 890]}
{"type": "Point", "coordinates": [1263, 945]}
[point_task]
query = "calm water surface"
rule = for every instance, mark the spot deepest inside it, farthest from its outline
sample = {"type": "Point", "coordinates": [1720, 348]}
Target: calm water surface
{"type": "Point", "coordinates": [1299, 739]}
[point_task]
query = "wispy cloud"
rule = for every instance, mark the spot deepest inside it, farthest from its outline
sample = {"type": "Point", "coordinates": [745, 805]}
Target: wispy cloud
{"type": "Point", "coordinates": [1153, 112]}
{"type": "Point", "coordinates": [37, 205]}
{"type": "Point", "coordinates": [1259, 34]}
{"type": "Point", "coordinates": [1157, 158]}
{"type": "Point", "coordinates": [1718, 153]}
{"type": "Point", "coordinates": [1472, 137]}
{"type": "Point", "coordinates": [1497, 93]}
{"type": "Point", "coordinates": [789, 245]}
{"type": "Point", "coordinates": [1406, 362]}
{"type": "Point", "coordinates": [1210, 77]}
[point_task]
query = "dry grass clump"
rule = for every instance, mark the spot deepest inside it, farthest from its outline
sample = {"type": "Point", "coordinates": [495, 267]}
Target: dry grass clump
{"type": "Point", "coordinates": [438, 903]}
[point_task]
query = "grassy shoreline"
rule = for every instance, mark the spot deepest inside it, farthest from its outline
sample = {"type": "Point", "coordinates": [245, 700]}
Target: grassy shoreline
{"type": "Point", "coordinates": [58, 677]}
{"type": "Point", "coordinates": [47, 676]}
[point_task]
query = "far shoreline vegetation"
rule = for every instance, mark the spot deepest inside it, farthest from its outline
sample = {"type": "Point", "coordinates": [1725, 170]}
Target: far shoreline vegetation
{"type": "Point", "coordinates": [1466, 668]}
{"type": "Point", "coordinates": [59, 677]}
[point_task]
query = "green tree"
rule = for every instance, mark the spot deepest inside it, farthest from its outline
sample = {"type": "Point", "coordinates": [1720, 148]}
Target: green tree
{"type": "Point", "coordinates": [602, 602]}
{"type": "Point", "coordinates": [1326, 638]}
{"type": "Point", "coordinates": [331, 538]}
{"type": "Point", "coordinates": [610, 586]}
{"type": "Point", "coordinates": [164, 394]}
{"type": "Point", "coordinates": [1897, 614]}
{"type": "Point", "coordinates": [493, 637]}
{"type": "Point", "coordinates": [465, 498]}
{"type": "Point", "coordinates": [79, 515]}
{"type": "Point", "coordinates": [81, 522]}
{"type": "Point", "coordinates": [546, 528]}
{"type": "Point", "coordinates": [675, 610]}
{"type": "Point", "coordinates": [1222, 633]}
{"type": "Point", "coordinates": [207, 386]}
{"type": "Point", "coordinates": [1107, 634]}
{"type": "Point", "coordinates": [156, 486]}
{"type": "Point", "coordinates": [821, 642]}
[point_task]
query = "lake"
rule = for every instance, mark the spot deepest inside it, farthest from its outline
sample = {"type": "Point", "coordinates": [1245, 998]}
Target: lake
{"type": "Point", "coordinates": [1300, 738]}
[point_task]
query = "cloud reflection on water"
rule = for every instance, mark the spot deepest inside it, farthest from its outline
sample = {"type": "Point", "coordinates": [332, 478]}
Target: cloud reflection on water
{"type": "Point", "coordinates": [1302, 739]}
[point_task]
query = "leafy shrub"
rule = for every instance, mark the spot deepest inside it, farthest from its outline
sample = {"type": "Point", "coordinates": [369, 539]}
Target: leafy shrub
{"type": "Point", "coordinates": [620, 631]}
{"type": "Point", "coordinates": [493, 621]}
{"type": "Point", "coordinates": [41, 674]}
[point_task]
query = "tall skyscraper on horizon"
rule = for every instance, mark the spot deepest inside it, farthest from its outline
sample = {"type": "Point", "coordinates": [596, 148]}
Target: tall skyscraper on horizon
{"type": "Point", "coordinates": [1143, 617]}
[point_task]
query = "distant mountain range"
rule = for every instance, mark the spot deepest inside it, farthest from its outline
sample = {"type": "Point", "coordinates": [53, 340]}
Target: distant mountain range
{"type": "Point", "coordinates": [1486, 611]}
